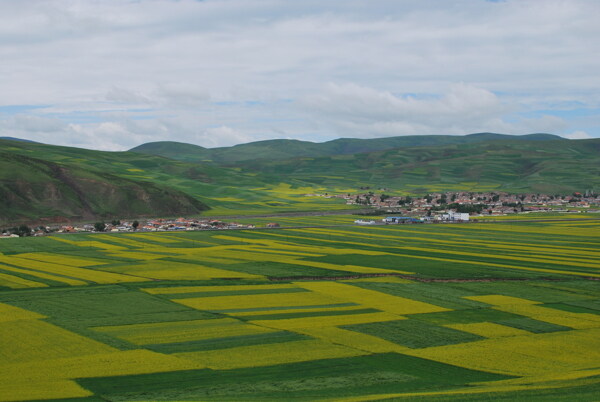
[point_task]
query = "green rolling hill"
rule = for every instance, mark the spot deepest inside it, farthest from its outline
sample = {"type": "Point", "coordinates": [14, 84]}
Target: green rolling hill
{"type": "Point", "coordinates": [554, 166]}
{"type": "Point", "coordinates": [285, 149]}
{"type": "Point", "coordinates": [53, 182]}
{"type": "Point", "coordinates": [32, 188]}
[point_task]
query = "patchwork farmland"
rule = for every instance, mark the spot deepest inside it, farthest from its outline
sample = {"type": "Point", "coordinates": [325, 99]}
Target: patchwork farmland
{"type": "Point", "coordinates": [409, 312]}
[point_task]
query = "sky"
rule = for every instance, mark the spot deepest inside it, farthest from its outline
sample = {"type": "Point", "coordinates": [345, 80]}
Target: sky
{"type": "Point", "coordinates": [113, 74]}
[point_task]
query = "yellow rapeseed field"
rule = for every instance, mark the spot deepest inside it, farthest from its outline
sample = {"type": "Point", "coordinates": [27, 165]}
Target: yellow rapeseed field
{"type": "Point", "coordinates": [267, 355]}
{"type": "Point", "coordinates": [553, 316]}
{"type": "Point", "coordinates": [43, 275]}
{"type": "Point", "coordinates": [12, 313]}
{"type": "Point", "coordinates": [224, 288]}
{"type": "Point", "coordinates": [371, 298]}
{"type": "Point", "coordinates": [182, 331]}
{"type": "Point", "coordinates": [73, 272]}
{"type": "Point", "coordinates": [353, 339]}
{"type": "Point", "coordinates": [249, 314]}
{"type": "Point", "coordinates": [500, 300]}
{"type": "Point", "coordinates": [35, 340]}
{"type": "Point", "coordinates": [14, 282]}
{"type": "Point", "coordinates": [327, 321]}
{"type": "Point", "coordinates": [242, 302]}
{"type": "Point", "coordinates": [60, 259]}
{"type": "Point", "coordinates": [170, 270]}
{"type": "Point", "coordinates": [523, 355]}
{"type": "Point", "coordinates": [488, 329]}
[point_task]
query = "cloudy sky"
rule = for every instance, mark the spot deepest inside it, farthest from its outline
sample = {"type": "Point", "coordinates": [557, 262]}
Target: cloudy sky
{"type": "Point", "coordinates": [112, 74]}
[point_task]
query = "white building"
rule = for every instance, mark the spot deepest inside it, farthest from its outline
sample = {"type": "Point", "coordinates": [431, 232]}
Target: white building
{"type": "Point", "coordinates": [455, 216]}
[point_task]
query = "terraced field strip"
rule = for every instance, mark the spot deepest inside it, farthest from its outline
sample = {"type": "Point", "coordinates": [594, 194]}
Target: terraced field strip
{"type": "Point", "coordinates": [155, 237]}
{"type": "Point", "coordinates": [370, 298]}
{"type": "Point", "coordinates": [170, 270]}
{"type": "Point", "coordinates": [530, 229]}
{"type": "Point", "coordinates": [61, 259]}
{"type": "Point", "coordinates": [574, 253]}
{"type": "Point", "coordinates": [268, 355]}
{"type": "Point", "coordinates": [489, 329]}
{"type": "Point", "coordinates": [292, 324]}
{"type": "Point", "coordinates": [42, 275]}
{"type": "Point", "coordinates": [52, 378]}
{"type": "Point", "coordinates": [15, 282]}
{"type": "Point", "coordinates": [182, 331]}
{"type": "Point", "coordinates": [246, 302]}
{"type": "Point", "coordinates": [73, 272]}
{"type": "Point", "coordinates": [319, 249]}
{"type": "Point", "coordinates": [470, 262]}
{"type": "Point", "coordinates": [224, 288]}
{"type": "Point", "coordinates": [28, 340]}
{"type": "Point", "coordinates": [122, 240]}
{"type": "Point", "coordinates": [528, 355]}
{"type": "Point", "coordinates": [88, 243]}
{"type": "Point", "coordinates": [12, 313]}
{"type": "Point", "coordinates": [281, 312]}
{"type": "Point", "coordinates": [553, 316]}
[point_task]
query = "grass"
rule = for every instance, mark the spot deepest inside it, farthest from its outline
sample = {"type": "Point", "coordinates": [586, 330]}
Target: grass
{"type": "Point", "coordinates": [414, 333]}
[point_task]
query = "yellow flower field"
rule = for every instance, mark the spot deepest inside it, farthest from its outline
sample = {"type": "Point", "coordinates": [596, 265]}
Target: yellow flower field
{"type": "Point", "coordinates": [14, 282]}
{"type": "Point", "coordinates": [488, 329]}
{"type": "Point", "coordinates": [523, 355]}
{"type": "Point", "coordinates": [182, 331]}
{"type": "Point", "coordinates": [222, 303]}
{"type": "Point", "coordinates": [370, 298]}
{"type": "Point", "coordinates": [327, 321]}
{"type": "Point", "coordinates": [267, 355]}
{"type": "Point", "coordinates": [224, 288]}
{"type": "Point", "coordinates": [35, 340]}
{"type": "Point", "coordinates": [158, 269]}
{"type": "Point", "coordinates": [43, 275]}
{"type": "Point", "coordinates": [74, 272]}
{"type": "Point", "coordinates": [11, 313]}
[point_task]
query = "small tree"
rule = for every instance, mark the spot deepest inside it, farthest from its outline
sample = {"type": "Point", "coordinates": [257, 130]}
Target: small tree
{"type": "Point", "coordinates": [135, 225]}
{"type": "Point", "coordinates": [99, 226]}
{"type": "Point", "coordinates": [116, 222]}
{"type": "Point", "coordinates": [22, 231]}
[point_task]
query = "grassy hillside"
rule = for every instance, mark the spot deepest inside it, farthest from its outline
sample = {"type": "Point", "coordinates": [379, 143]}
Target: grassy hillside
{"type": "Point", "coordinates": [284, 149]}
{"type": "Point", "coordinates": [127, 184]}
{"type": "Point", "coordinates": [41, 180]}
{"type": "Point", "coordinates": [32, 188]}
{"type": "Point", "coordinates": [514, 166]}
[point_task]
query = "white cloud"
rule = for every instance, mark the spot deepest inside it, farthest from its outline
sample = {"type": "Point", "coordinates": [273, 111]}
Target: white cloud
{"type": "Point", "coordinates": [222, 136]}
{"type": "Point", "coordinates": [180, 58]}
{"type": "Point", "coordinates": [355, 111]}
{"type": "Point", "coordinates": [578, 135]}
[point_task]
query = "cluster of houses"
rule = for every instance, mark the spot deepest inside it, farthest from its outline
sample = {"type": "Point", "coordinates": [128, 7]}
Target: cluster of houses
{"type": "Point", "coordinates": [449, 216]}
{"type": "Point", "coordinates": [153, 225]}
{"type": "Point", "coordinates": [489, 203]}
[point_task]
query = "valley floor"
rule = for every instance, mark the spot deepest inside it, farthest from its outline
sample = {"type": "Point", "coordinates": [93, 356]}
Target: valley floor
{"type": "Point", "coordinates": [484, 311]}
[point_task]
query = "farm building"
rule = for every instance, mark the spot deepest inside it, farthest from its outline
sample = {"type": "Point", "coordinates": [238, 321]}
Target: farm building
{"type": "Point", "coordinates": [400, 219]}
{"type": "Point", "coordinates": [455, 216]}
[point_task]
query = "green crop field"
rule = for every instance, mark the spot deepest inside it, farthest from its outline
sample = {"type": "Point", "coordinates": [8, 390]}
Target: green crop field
{"type": "Point", "coordinates": [481, 311]}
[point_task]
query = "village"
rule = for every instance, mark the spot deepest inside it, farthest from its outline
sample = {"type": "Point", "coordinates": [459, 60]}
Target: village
{"type": "Point", "coordinates": [117, 226]}
{"type": "Point", "coordinates": [449, 207]}
{"type": "Point", "coordinates": [490, 203]}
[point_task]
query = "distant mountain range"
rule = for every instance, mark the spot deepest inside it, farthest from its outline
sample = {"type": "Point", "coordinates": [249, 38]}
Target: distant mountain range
{"type": "Point", "coordinates": [39, 181]}
{"type": "Point", "coordinates": [285, 149]}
